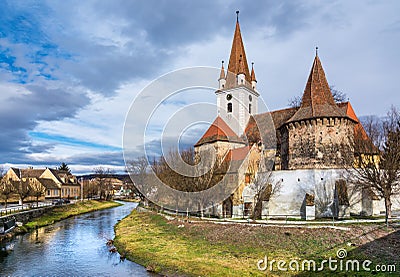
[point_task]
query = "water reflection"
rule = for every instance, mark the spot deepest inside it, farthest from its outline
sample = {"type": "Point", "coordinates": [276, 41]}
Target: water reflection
{"type": "Point", "coordinates": [76, 246]}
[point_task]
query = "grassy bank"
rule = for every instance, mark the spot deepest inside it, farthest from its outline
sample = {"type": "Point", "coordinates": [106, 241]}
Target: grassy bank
{"type": "Point", "coordinates": [63, 212]}
{"type": "Point", "coordinates": [207, 249]}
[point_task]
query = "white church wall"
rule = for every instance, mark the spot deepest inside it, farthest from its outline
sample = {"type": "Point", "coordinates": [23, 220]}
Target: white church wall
{"type": "Point", "coordinates": [378, 207]}
{"type": "Point", "coordinates": [294, 184]}
{"type": "Point", "coordinates": [396, 203]}
{"type": "Point", "coordinates": [293, 187]}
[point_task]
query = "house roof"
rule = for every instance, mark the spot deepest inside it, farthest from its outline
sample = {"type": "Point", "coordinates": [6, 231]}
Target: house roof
{"type": "Point", "coordinates": [317, 101]}
{"type": "Point", "coordinates": [267, 121]}
{"type": "Point", "coordinates": [237, 59]}
{"type": "Point", "coordinates": [363, 142]}
{"type": "Point", "coordinates": [235, 158]}
{"type": "Point", "coordinates": [48, 183]}
{"type": "Point", "coordinates": [238, 154]}
{"type": "Point", "coordinates": [28, 172]}
{"type": "Point", "coordinates": [219, 131]}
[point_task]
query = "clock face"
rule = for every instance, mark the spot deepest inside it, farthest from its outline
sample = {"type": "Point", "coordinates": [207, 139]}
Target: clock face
{"type": "Point", "coordinates": [229, 97]}
{"type": "Point", "coordinates": [250, 98]}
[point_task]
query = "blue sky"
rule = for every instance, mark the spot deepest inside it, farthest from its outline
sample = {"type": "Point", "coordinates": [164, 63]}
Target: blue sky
{"type": "Point", "coordinates": [70, 69]}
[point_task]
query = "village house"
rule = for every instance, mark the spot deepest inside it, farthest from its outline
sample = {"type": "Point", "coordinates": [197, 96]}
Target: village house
{"type": "Point", "coordinates": [295, 161]}
{"type": "Point", "coordinates": [56, 183]}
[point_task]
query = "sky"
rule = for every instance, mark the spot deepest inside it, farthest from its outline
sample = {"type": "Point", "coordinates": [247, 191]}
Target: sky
{"type": "Point", "coordinates": [70, 70]}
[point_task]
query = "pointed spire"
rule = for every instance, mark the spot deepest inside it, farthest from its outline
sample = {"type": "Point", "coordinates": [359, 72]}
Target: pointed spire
{"type": "Point", "coordinates": [317, 99]}
{"type": "Point", "coordinates": [237, 56]}
{"type": "Point", "coordinates": [317, 90]}
{"type": "Point", "coordinates": [253, 74]}
{"type": "Point", "coordinates": [222, 74]}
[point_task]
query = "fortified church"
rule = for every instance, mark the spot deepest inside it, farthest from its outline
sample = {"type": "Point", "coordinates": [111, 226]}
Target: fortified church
{"type": "Point", "coordinates": [294, 160]}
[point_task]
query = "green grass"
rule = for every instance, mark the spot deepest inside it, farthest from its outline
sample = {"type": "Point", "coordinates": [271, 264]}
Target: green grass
{"type": "Point", "coordinates": [63, 212]}
{"type": "Point", "coordinates": [208, 249]}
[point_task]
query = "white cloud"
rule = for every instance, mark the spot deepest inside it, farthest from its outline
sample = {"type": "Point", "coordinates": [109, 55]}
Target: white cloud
{"type": "Point", "coordinates": [106, 52]}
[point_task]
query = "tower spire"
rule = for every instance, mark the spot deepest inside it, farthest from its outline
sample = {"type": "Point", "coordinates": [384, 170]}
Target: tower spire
{"type": "Point", "coordinates": [253, 74]}
{"type": "Point", "coordinates": [317, 99]}
{"type": "Point", "coordinates": [237, 58]}
{"type": "Point", "coordinates": [222, 74]}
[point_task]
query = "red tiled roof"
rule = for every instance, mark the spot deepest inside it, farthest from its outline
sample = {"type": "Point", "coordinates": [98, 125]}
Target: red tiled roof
{"type": "Point", "coordinates": [235, 158]}
{"type": "Point", "coordinates": [359, 131]}
{"type": "Point", "coordinates": [317, 99]}
{"type": "Point", "coordinates": [238, 154]}
{"type": "Point", "coordinates": [237, 59]}
{"type": "Point", "coordinates": [219, 131]}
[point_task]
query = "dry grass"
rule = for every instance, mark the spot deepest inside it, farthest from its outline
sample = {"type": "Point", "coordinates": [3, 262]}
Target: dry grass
{"type": "Point", "coordinates": [63, 212]}
{"type": "Point", "coordinates": [207, 249]}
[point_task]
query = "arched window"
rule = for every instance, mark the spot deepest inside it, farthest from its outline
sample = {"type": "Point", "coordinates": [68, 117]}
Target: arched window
{"type": "Point", "coordinates": [229, 107]}
{"type": "Point", "coordinates": [249, 108]}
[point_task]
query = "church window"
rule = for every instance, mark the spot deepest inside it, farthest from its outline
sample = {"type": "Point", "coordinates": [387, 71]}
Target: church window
{"type": "Point", "coordinates": [250, 108]}
{"type": "Point", "coordinates": [228, 97]}
{"type": "Point", "coordinates": [229, 107]}
{"type": "Point", "coordinates": [250, 97]}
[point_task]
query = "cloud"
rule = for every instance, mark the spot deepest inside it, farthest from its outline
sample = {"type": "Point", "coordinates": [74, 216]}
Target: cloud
{"type": "Point", "coordinates": [70, 69]}
{"type": "Point", "coordinates": [21, 113]}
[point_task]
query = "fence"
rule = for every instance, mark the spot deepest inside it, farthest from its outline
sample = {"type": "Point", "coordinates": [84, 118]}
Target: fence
{"type": "Point", "coordinates": [31, 206]}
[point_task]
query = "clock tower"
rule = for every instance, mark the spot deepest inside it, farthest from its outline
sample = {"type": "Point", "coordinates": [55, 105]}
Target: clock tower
{"type": "Point", "coordinates": [237, 96]}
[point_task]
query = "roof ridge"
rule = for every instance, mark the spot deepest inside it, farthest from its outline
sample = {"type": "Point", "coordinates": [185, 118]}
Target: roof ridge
{"type": "Point", "coordinates": [219, 130]}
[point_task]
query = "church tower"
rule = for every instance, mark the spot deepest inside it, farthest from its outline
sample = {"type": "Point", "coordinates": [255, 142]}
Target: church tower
{"type": "Point", "coordinates": [319, 134]}
{"type": "Point", "coordinates": [237, 96]}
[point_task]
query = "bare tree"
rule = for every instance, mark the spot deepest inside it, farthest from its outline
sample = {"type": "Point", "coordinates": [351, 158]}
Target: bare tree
{"type": "Point", "coordinates": [103, 181]}
{"type": "Point", "coordinates": [338, 96]}
{"type": "Point", "coordinates": [22, 188]}
{"type": "Point", "coordinates": [89, 189]}
{"type": "Point", "coordinates": [378, 163]}
{"type": "Point", "coordinates": [190, 176]}
{"type": "Point", "coordinates": [6, 190]}
{"type": "Point", "coordinates": [37, 190]}
{"type": "Point", "coordinates": [137, 170]}
{"type": "Point", "coordinates": [262, 184]}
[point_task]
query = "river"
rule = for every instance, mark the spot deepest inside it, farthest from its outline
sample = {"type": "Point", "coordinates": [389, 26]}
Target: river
{"type": "Point", "coordinates": [72, 247]}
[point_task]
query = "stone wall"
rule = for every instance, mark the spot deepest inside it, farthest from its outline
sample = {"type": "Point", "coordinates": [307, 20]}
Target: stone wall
{"type": "Point", "coordinates": [220, 148]}
{"type": "Point", "coordinates": [318, 143]}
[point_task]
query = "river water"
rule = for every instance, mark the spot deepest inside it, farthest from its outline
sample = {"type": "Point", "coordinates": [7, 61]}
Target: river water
{"type": "Point", "coordinates": [72, 247]}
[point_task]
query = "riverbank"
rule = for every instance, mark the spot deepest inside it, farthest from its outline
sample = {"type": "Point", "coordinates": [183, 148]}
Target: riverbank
{"type": "Point", "coordinates": [59, 213]}
{"type": "Point", "coordinates": [199, 248]}
{"type": "Point", "coordinates": [72, 247]}
{"type": "Point", "coordinates": [66, 211]}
